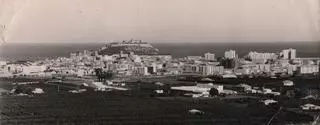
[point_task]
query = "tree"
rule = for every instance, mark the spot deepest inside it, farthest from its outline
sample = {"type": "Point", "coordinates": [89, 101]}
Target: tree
{"type": "Point", "coordinates": [106, 75]}
{"type": "Point", "coordinates": [98, 72]}
{"type": "Point", "coordinates": [166, 88]}
{"type": "Point", "coordinates": [213, 92]}
{"type": "Point", "coordinates": [290, 93]}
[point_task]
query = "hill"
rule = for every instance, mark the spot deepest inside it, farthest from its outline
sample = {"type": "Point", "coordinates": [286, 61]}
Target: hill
{"type": "Point", "coordinates": [136, 46]}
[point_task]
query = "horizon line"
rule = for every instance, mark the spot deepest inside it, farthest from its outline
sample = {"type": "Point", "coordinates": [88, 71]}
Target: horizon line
{"type": "Point", "coordinates": [158, 42]}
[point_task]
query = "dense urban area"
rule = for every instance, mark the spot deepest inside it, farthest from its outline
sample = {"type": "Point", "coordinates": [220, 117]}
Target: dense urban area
{"type": "Point", "coordinates": [129, 82]}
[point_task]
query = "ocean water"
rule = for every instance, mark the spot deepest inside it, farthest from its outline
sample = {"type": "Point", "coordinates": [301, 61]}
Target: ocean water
{"type": "Point", "coordinates": [16, 51]}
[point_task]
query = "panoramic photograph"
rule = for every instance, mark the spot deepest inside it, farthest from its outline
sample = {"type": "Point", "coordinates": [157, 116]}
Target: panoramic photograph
{"type": "Point", "coordinates": [159, 62]}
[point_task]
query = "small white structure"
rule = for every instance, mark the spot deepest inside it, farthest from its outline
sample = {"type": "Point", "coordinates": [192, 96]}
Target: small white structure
{"type": "Point", "coordinates": [246, 87]}
{"type": "Point", "coordinates": [2, 63]}
{"type": "Point", "coordinates": [159, 84]}
{"type": "Point", "coordinates": [109, 82]}
{"type": "Point", "coordinates": [266, 91]}
{"type": "Point", "coordinates": [228, 92]}
{"type": "Point", "coordinates": [207, 80]}
{"type": "Point", "coordinates": [195, 111]}
{"type": "Point", "coordinates": [269, 101]}
{"type": "Point", "coordinates": [191, 89]}
{"type": "Point", "coordinates": [22, 94]}
{"type": "Point", "coordinates": [310, 97]}
{"type": "Point", "coordinates": [78, 91]}
{"type": "Point", "coordinates": [159, 91]}
{"type": "Point", "coordinates": [229, 76]}
{"type": "Point", "coordinates": [287, 83]}
{"type": "Point", "coordinates": [38, 91]}
{"type": "Point", "coordinates": [2, 91]}
{"type": "Point", "coordinates": [85, 84]}
{"type": "Point", "coordinates": [275, 93]}
{"type": "Point", "coordinates": [201, 90]}
{"type": "Point", "coordinates": [24, 83]}
{"type": "Point", "coordinates": [99, 86]}
{"type": "Point", "coordinates": [310, 107]}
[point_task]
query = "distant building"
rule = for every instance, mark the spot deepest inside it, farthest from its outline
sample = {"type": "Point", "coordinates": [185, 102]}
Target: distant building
{"type": "Point", "coordinates": [86, 53]}
{"type": "Point", "coordinates": [264, 67]}
{"type": "Point", "coordinates": [3, 63]}
{"type": "Point", "coordinates": [288, 54]}
{"type": "Point", "coordinates": [209, 56]}
{"type": "Point", "coordinates": [140, 70]}
{"type": "Point", "coordinates": [291, 69]}
{"type": "Point", "coordinates": [211, 70]}
{"type": "Point", "coordinates": [33, 69]}
{"type": "Point", "coordinates": [231, 54]}
{"type": "Point", "coordinates": [194, 57]}
{"type": "Point", "coordinates": [257, 55]}
{"type": "Point", "coordinates": [199, 88]}
{"type": "Point", "coordinates": [261, 57]}
{"type": "Point", "coordinates": [73, 55]}
{"type": "Point", "coordinates": [191, 69]}
{"type": "Point", "coordinates": [152, 69]}
{"type": "Point", "coordinates": [308, 69]}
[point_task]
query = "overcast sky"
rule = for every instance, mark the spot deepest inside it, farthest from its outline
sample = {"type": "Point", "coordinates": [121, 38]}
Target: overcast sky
{"type": "Point", "coordinates": [165, 20]}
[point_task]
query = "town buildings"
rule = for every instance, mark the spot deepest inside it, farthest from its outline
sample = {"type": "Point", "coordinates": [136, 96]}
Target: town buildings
{"type": "Point", "coordinates": [209, 56]}
{"type": "Point", "coordinates": [124, 64]}
{"type": "Point", "coordinates": [308, 69]}
{"type": "Point", "coordinates": [231, 54]}
{"type": "Point", "coordinates": [288, 54]}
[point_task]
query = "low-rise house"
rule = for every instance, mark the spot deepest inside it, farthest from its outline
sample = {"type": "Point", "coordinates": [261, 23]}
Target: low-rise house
{"type": "Point", "coordinates": [310, 107]}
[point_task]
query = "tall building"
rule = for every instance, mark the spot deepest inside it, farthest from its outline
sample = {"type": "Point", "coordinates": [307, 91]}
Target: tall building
{"type": "Point", "coordinates": [231, 54]}
{"type": "Point", "coordinates": [288, 53]}
{"type": "Point", "coordinates": [209, 56]}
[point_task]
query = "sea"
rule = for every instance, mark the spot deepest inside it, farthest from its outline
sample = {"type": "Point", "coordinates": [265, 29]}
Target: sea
{"type": "Point", "coordinates": [37, 51]}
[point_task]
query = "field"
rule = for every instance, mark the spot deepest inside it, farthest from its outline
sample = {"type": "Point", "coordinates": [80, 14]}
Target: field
{"type": "Point", "coordinates": [130, 107]}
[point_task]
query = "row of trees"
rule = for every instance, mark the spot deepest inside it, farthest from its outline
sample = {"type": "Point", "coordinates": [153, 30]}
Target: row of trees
{"type": "Point", "coordinates": [103, 75]}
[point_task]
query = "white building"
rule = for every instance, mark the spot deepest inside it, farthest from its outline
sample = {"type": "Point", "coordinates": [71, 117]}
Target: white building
{"type": "Point", "coordinates": [308, 69]}
{"type": "Point", "coordinates": [249, 68]}
{"type": "Point", "coordinates": [194, 57]}
{"type": "Point", "coordinates": [288, 53]}
{"type": "Point", "coordinates": [211, 69]}
{"type": "Point", "coordinates": [231, 54]}
{"type": "Point", "coordinates": [261, 57]}
{"type": "Point", "coordinates": [199, 88]}
{"type": "Point", "coordinates": [141, 70]}
{"type": "Point", "coordinates": [33, 69]}
{"type": "Point", "coordinates": [3, 63]}
{"type": "Point", "coordinates": [264, 67]}
{"type": "Point", "coordinates": [291, 69]}
{"type": "Point", "coordinates": [190, 68]}
{"type": "Point", "coordinates": [209, 56]}
{"type": "Point", "coordinates": [108, 58]}
{"type": "Point", "coordinates": [136, 58]}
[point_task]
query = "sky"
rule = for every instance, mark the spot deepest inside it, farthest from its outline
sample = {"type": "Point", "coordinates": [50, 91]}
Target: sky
{"type": "Point", "coordinates": [172, 21]}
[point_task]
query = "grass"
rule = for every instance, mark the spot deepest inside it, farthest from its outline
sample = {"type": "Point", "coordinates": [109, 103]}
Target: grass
{"type": "Point", "coordinates": [127, 107]}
